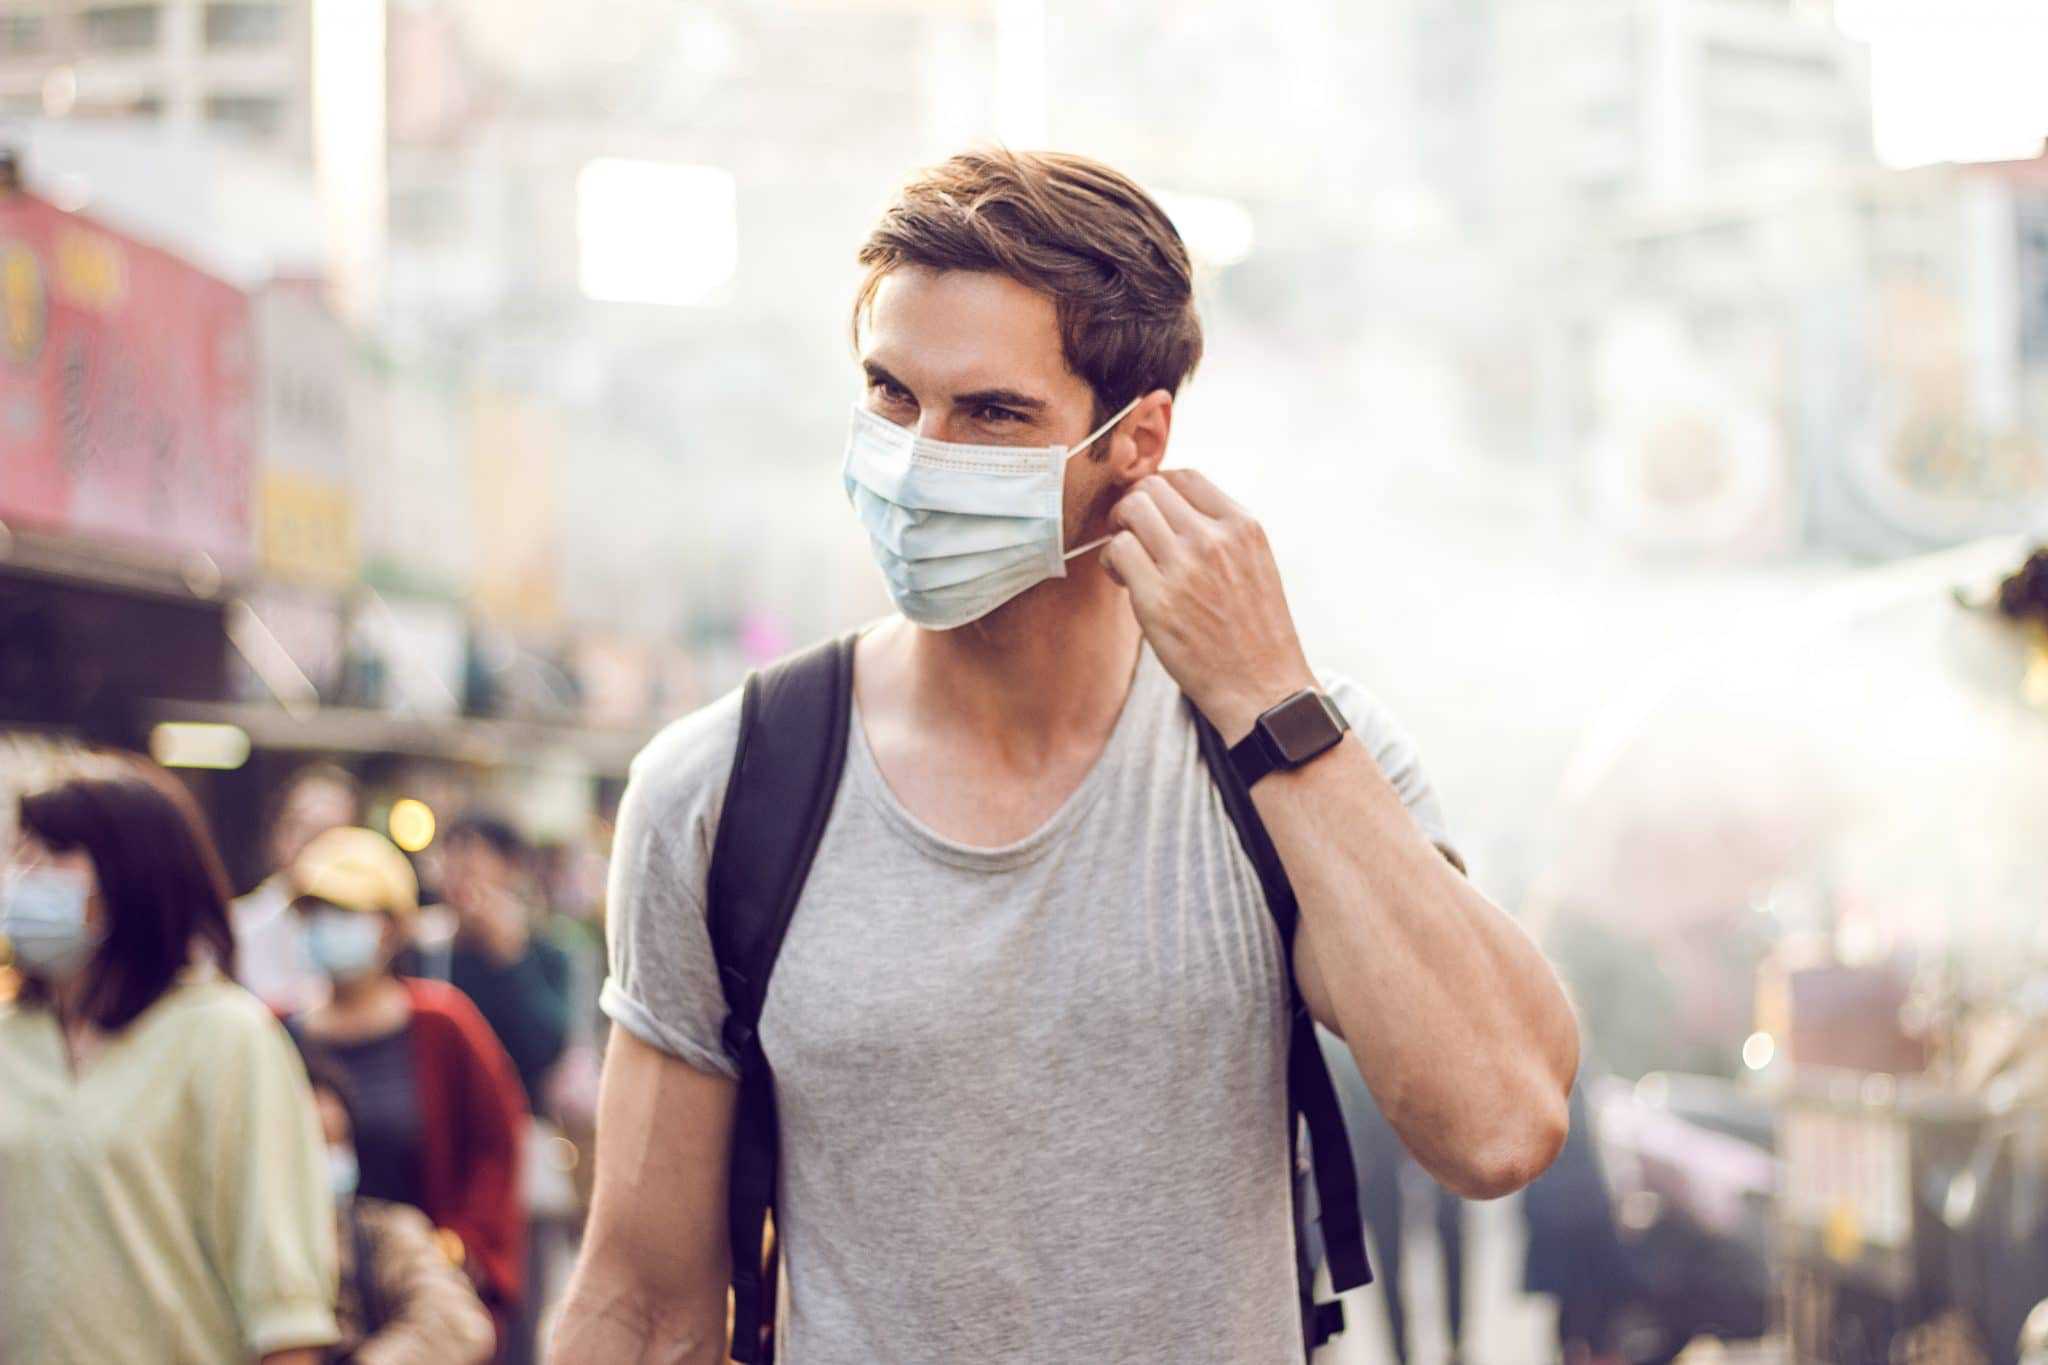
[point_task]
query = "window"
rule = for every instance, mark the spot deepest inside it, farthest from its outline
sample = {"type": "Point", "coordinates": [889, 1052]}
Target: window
{"type": "Point", "coordinates": [120, 28]}
{"type": "Point", "coordinates": [244, 23]}
{"type": "Point", "coordinates": [21, 31]}
{"type": "Point", "coordinates": [257, 115]}
{"type": "Point", "coordinates": [141, 106]}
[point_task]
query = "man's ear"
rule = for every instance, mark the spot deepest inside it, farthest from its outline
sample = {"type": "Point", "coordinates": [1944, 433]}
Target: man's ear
{"type": "Point", "coordinates": [1137, 448]}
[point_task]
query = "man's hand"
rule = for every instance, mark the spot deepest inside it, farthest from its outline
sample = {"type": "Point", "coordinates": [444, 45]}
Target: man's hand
{"type": "Point", "coordinates": [495, 920]}
{"type": "Point", "coordinates": [1207, 594]}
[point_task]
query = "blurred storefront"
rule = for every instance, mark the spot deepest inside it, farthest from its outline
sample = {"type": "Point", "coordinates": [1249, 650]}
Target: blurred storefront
{"type": "Point", "coordinates": [232, 533]}
{"type": "Point", "coordinates": [1823, 855]}
{"type": "Point", "coordinates": [125, 471]}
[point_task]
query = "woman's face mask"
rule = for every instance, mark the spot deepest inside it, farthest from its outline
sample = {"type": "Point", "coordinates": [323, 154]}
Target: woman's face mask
{"type": "Point", "coordinates": [344, 945]}
{"type": "Point", "coordinates": [342, 1171]}
{"type": "Point", "coordinates": [45, 917]}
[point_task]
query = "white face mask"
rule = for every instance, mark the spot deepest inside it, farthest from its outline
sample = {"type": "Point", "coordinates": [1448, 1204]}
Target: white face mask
{"type": "Point", "coordinates": [342, 1171]}
{"type": "Point", "coordinates": [344, 944]}
{"type": "Point", "coordinates": [43, 918]}
{"type": "Point", "coordinates": [958, 530]}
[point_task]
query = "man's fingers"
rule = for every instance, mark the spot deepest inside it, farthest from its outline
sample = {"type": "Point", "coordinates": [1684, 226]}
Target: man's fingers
{"type": "Point", "coordinates": [1180, 514]}
{"type": "Point", "coordinates": [1128, 564]}
{"type": "Point", "coordinates": [1204, 496]}
{"type": "Point", "coordinates": [1139, 514]}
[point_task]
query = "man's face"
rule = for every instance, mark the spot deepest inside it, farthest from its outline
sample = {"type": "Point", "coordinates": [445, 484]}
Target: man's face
{"type": "Point", "coordinates": [472, 871]}
{"type": "Point", "coordinates": [974, 358]}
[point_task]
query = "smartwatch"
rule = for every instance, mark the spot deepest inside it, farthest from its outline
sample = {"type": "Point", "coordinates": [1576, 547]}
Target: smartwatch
{"type": "Point", "coordinates": [1289, 735]}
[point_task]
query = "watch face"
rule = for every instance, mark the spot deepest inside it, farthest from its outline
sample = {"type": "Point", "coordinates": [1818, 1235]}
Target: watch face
{"type": "Point", "coordinates": [1300, 727]}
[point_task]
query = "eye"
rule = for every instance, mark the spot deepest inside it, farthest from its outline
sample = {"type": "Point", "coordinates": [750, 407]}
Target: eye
{"type": "Point", "coordinates": [889, 391]}
{"type": "Point", "coordinates": [989, 414]}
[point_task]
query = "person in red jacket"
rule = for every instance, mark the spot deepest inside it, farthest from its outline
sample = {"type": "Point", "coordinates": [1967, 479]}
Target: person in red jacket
{"type": "Point", "coordinates": [440, 1110]}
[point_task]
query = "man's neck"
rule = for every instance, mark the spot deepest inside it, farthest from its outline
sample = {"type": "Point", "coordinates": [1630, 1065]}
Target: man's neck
{"type": "Point", "coordinates": [1051, 665]}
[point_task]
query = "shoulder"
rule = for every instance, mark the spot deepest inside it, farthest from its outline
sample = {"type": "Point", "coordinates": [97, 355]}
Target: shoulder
{"type": "Point", "coordinates": [1367, 714]}
{"type": "Point", "coordinates": [1394, 750]}
{"type": "Point", "coordinates": [440, 1008]}
{"type": "Point", "coordinates": [220, 1010]}
{"type": "Point", "coordinates": [226, 1040]}
{"type": "Point", "coordinates": [683, 769]}
{"type": "Point", "coordinates": [384, 1219]}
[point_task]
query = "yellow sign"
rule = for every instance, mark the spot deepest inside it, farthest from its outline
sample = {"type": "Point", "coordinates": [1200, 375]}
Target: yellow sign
{"type": "Point", "coordinates": [1842, 1236]}
{"type": "Point", "coordinates": [512, 460]}
{"type": "Point", "coordinates": [26, 306]}
{"type": "Point", "coordinates": [91, 271]}
{"type": "Point", "coordinates": [309, 528]}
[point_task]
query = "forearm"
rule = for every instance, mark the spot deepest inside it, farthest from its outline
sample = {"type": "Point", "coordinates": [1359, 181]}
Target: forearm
{"type": "Point", "coordinates": [1456, 1021]}
{"type": "Point", "coordinates": [650, 1286]}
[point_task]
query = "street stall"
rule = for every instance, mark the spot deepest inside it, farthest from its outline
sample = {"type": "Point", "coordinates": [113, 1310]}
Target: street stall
{"type": "Point", "coordinates": [1815, 859]}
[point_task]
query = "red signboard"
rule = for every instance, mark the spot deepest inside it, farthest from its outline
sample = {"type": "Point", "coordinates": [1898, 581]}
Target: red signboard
{"type": "Point", "coordinates": [125, 389]}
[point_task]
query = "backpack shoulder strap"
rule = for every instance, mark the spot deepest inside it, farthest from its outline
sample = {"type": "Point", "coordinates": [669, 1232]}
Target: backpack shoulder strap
{"type": "Point", "coordinates": [794, 720]}
{"type": "Point", "coordinates": [1311, 1096]}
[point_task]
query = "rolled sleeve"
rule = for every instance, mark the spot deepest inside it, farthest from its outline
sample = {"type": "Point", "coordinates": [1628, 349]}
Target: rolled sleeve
{"type": "Point", "coordinates": [663, 986]}
{"type": "Point", "coordinates": [1395, 752]}
{"type": "Point", "coordinates": [272, 1213]}
{"type": "Point", "coordinates": [282, 1326]}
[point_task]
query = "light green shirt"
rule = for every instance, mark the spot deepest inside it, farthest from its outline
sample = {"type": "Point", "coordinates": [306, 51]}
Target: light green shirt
{"type": "Point", "coordinates": [170, 1204]}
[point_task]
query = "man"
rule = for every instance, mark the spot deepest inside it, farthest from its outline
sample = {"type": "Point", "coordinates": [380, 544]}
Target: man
{"type": "Point", "coordinates": [270, 942]}
{"type": "Point", "coordinates": [519, 979]}
{"type": "Point", "coordinates": [1029, 1026]}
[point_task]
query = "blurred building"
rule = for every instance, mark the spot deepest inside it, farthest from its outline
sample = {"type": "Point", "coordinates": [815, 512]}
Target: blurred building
{"type": "Point", "coordinates": [1604, 106]}
{"type": "Point", "coordinates": [237, 67]}
{"type": "Point", "coordinates": [1849, 365]}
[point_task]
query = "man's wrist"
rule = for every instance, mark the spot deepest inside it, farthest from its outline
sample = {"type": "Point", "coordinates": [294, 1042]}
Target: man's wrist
{"type": "Point", "coordinates": [1234, 713]}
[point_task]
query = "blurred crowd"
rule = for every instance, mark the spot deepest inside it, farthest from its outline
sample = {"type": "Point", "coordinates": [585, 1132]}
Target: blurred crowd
{"type": "Point", "coordinates": [340, 1117]}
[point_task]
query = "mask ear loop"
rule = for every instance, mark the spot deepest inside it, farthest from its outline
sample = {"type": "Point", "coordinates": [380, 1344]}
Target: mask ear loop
{"type": "Point", "coordinates": [1086, 442]}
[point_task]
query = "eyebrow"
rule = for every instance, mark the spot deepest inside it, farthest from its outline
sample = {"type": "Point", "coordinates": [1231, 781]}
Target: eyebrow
{"type": "Point", "coordinates": [1004, 398]}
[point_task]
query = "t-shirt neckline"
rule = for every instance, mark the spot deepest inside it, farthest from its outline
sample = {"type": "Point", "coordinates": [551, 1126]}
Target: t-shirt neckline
{"type": "Point", "coordinates": [871, 783]}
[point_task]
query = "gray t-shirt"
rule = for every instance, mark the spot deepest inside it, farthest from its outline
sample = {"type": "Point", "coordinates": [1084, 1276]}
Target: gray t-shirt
{"type": "Point", "coordinates": [1033, 1098]}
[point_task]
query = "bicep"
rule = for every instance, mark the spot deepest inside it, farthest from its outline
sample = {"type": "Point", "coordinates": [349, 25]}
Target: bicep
{"type": "Point", "coordinates": [664, 1153]}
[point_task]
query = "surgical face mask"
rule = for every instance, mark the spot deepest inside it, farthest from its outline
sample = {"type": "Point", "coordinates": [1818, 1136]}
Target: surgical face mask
{"type": "Point", "coordinates": [344, 944]}
{"type": "Point", "coordinates": [43, 917]}
{"type": "Point", "coordinates": [342, 1171]}
{"type": "Point", "coordinates": [958, 530]}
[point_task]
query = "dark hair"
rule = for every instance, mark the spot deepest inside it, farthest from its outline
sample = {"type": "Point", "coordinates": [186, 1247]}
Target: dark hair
{"type": "Point", "coordinates": [160, 880]}
{"type": "Point", "coordinates": [1066, 226]}
{"type": "Point", "coordinates": [505, 839]}
{"type": "Point", "coordinates": [324, 1072]}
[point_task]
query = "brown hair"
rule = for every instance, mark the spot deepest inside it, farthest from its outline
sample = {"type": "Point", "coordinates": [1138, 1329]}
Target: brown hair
{"type": "Point", "coordinates": [1066, 226]}
{"type": "Point", "coordinates": [160, 879]}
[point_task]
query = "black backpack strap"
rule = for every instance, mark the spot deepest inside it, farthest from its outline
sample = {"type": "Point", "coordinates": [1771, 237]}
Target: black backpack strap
{"type": "Point", "coordinates": [794, 717]}
{"type": "Point", "coordinates": [1311, 1095]}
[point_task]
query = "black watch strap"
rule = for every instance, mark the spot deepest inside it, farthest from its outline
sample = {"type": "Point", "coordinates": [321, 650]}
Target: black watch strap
{"type": "Point", "coordinates": [1300, 728]}
{"type": "Point", "coordinates": [1253, 757]}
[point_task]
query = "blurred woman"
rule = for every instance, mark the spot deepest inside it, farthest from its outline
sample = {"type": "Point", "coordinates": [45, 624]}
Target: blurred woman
{"type": "Point", "coordinates": [439, 1110]}
{"type": "Point", "coordinates": [163, 1182]}
{"type": "Point", "coordinates": [402, 1301]}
